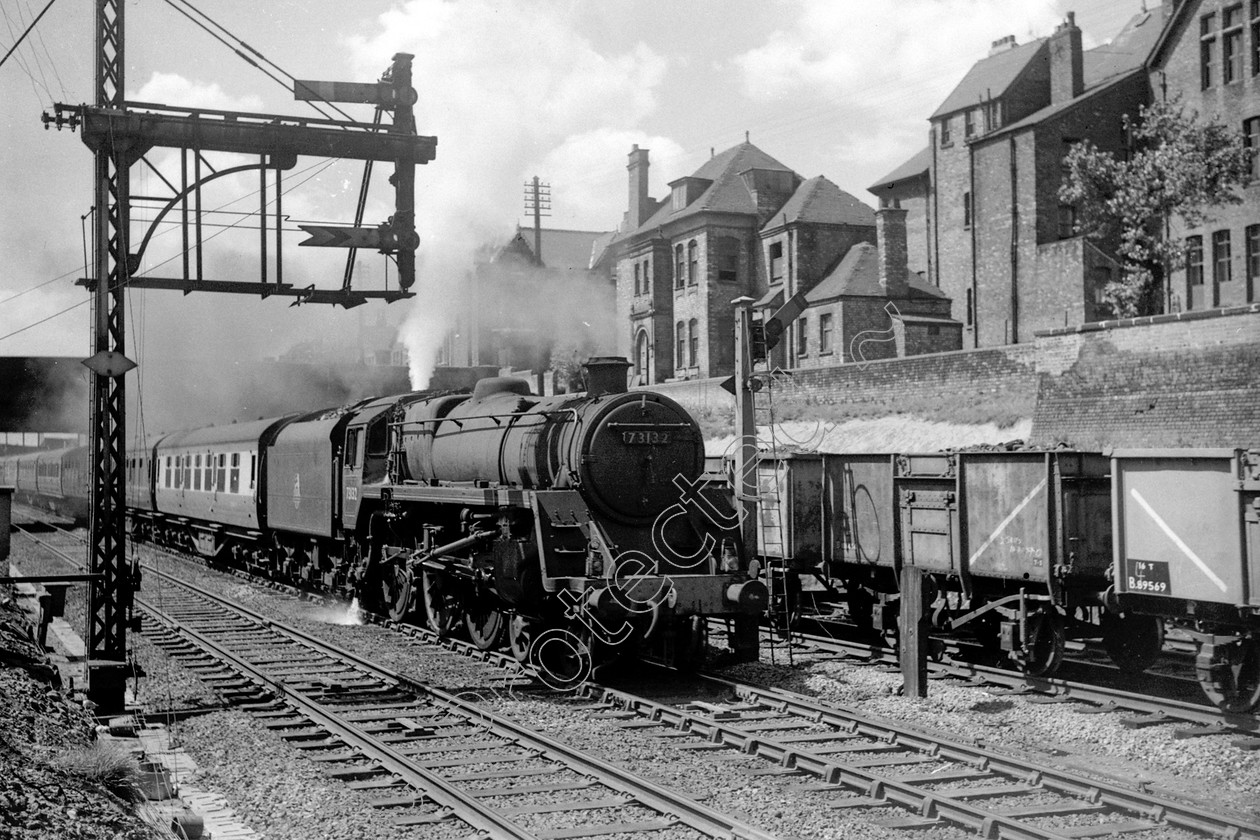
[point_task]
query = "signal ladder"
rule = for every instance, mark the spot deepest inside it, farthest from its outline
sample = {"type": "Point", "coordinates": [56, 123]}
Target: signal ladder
{"type": "Point", "coordinates": [770, 525]}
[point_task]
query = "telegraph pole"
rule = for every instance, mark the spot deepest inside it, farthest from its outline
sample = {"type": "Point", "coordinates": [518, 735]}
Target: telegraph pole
{"type": "Point", "coordinates": [537, 200]}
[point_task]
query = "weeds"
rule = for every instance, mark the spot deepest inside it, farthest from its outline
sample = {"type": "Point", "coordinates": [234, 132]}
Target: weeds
{"type": "Point", "coordinates": [110, 767]}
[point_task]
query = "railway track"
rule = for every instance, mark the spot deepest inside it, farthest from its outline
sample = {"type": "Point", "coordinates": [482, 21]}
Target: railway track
{"type": "Point", "coordinates": [864, 763]}
{"type": "Point", "coordinates": [1192, 719]}
{"type": "Point", "coordinates": [428, 756]}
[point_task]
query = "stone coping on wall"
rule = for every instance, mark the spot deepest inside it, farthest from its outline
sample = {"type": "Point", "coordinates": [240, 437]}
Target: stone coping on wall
{"type": "Point", "coordinates": [1146, 320]}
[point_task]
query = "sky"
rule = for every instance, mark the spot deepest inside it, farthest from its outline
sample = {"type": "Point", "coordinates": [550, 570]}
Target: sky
{"type": "Point", "coordinates": [557, 89]}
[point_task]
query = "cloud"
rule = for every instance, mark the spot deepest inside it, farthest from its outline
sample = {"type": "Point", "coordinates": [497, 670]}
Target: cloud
{"type": "Point", "coordinates": [503, 87]}
{"type": "Point", "coordinates": [176, 90]}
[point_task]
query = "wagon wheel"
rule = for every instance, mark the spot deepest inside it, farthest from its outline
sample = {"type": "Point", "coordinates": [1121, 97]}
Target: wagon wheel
{"type": "Point", "coordinates": [1043, 649]}
{"type": "Point", "coordinates": [861, 603]}
{"type": "Point", "coordinates": [1134, 642]}
{"type": "Point", "coordinates": [485, 622]}
{"type": "Point", "coordinates": [521, 633]}
{"type": "Point", "coordinates": [690, 636]}
{"type": "Point", "coordinates": [1230, 674]}
{"type": "Point", "coordinates": [441, 603]}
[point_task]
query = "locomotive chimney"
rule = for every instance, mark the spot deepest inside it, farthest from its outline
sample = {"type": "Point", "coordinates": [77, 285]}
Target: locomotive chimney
{"type": "Point", "coordinates": [606, 375]}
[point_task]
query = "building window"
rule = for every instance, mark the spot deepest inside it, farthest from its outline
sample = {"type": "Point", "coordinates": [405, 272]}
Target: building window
{"type": "Point", "coordinates": [966, 209]}
{"type": "Point", "coordinates": [680, 335]}
{"type": "Point", "coordinates": [1067, 221]}
{"type": "Point", "coordinates": [641, 363]}
{"type": "Point", "coordinates": [637, 290]}
{"type": "Point", "coordinates": [776, 262]}
{"type": "Point", "coordinates": [1255, 37]}
{"type": "Point", "coordinates": [1194, 260]}
{"type": "Point", "coordinates": [969, 123]}
{"type": "Point", "coordinates": [1231, 44]}
{"type": "Point", "coordinates": [727, 259]}
{"type": "Point", "coordinates": [1207, 40]}
{"type": "Point", "coordinates": [1102, 276]}
{"type": "Point", "coordinates": [680, 266]}
{"type": "Point", "coordinates": [824, 333]}
{"type": "Point", "coordinates": [802, 337]}
{"type": "Point", "coordinates": [992, 115]}
{"type": "Point", "coordinates": [693, 342]}
{"type": "Point", "coordinates": [1253, 261]}
{"type": "Point", "coordinates": [971, 312]}
{"type": "Point", "coordinates": [1220, 257]}
{"type": "Point", "coordinates": [647, 277]}
{"type": "Point", "coordinates": [946, 139]}
{"type": "Point", "coordinates": [693, 262]}
{"type": "Point", "coordinates": [1251, 139]}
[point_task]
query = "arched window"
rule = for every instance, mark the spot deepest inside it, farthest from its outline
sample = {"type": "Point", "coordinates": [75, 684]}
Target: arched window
{"type": "Point", "coordinates": [693, 340]}
{"type": "Point", "coordinates": [636, 280]}
{"type": "Point", "coordinates": [680, 267]}
{"type": "Point", "coordinates": [680, 335]}
{"type": "Point", "coordinates": [642, 365]}
{"type": "Point", "coordinates": [693, 262]}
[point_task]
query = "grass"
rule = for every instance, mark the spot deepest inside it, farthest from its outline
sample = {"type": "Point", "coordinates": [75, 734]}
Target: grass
{"type": "Point", "coordinates": [110, 767]}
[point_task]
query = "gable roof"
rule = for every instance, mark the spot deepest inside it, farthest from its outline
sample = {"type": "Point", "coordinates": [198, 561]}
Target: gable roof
{"type": "Point", "coordinates": [820, 201]}
{"type": "Point", "coordinates": [918, 165]}
{"type": "Point", "coordinates": [727, 193]}
{"type": "Point", "coordinates": [566, 250]}
{"type": "Point", "coordinates": [989, 77]}
{"type": "Point", "coordinates": [1184, 11]}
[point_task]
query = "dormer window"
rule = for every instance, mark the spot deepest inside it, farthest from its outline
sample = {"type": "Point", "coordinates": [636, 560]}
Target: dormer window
{"type": "Point", "coordinates": [686, 190]}
{"type": "Point", "coordinates": [679, 197]}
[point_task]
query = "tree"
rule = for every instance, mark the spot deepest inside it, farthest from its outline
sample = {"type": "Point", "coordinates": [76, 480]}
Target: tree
{"type": "Point", "coordinates": [1182, 168]}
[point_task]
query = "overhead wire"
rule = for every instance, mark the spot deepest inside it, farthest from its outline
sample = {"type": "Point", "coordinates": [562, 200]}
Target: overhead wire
{"type": "Point", "coordinates": [26, 32]}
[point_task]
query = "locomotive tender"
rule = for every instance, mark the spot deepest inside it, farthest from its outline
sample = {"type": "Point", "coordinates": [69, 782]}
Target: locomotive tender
{"type": "Point", "coordinates": [578, 517]}
{"type": "Point", "coordinates": [1028, 548]}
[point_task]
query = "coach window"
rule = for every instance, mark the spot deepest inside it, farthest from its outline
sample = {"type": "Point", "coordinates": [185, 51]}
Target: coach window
{"type": "Point", "coordinates": [235, 486]}
{"type": "Point", "coordinates": [253, 469]}
{"type": "Point", "coordinates": [220, 478]}
{"type": "Point", "coordinates": [188, 471]}
{"type": "Point", "coordinates": [196, 472]}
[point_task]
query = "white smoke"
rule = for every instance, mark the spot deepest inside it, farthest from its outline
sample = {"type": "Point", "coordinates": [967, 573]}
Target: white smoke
{"type": "Point", "coordinates": [501, 86]}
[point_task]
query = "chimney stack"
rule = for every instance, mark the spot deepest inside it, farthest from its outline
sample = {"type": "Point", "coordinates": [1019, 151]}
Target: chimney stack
{"type": "Point", "coordinates": [606, 375]}
{"type": "Point", "coordinates": [1003, 44]}
{"type": "Point", "coordinates": [890, 242]}
{"type": "Point", "coordinates": [640, 203]}
{"type": "Point", "coordinates": [1067, 62]}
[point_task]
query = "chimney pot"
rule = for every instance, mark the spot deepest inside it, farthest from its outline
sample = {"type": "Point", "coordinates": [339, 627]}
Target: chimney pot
{"type": "Point", "coordinates": [606, 375]}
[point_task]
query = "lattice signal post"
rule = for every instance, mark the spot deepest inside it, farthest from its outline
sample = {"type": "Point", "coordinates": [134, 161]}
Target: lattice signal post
{"type": "Point", "coordinates": [120, 134]}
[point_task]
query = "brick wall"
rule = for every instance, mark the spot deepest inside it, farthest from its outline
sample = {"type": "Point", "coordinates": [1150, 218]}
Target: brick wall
{"type": "Point", "coordinates": [1170, 380]}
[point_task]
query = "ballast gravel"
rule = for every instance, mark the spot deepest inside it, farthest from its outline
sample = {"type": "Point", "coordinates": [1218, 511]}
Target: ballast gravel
{"type": "Point", "coordinates": [272, 787]}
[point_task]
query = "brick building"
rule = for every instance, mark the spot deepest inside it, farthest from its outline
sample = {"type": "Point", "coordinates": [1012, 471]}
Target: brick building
{"type": "Point", "coordinates": [1209, 56]}
{"type": "Point", "coordinates": [742, 225]}
{"type": "Point", "coordinates": [995, 236]}
{"type": "Point", "coordinates": [522, 304]}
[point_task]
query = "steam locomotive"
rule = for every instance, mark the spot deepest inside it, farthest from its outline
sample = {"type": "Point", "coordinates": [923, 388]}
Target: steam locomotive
{"type": "Point", "coordinates": [575, 526]}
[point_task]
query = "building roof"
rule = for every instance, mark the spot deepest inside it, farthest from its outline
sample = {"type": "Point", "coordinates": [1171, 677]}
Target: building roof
{"type": "Point", "coordinates": [566, 250]}
{"type": "Point", "coordinates": [819, 201]}
{"type": "Point", "coordinates": [857, 275]}
{"type": "Point", "coordinates": [1172, 32]}
{"type": "Point", "coordinates": [917, 166]}
{"type": "Point", "coordinates": [989, 77]}
{"type": "Point", "coordinates": [1104, 67]}
{"type": "Point", "coordinates": [1128, 51]}
{"type": "Point", "coordinates": [727, 193]}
